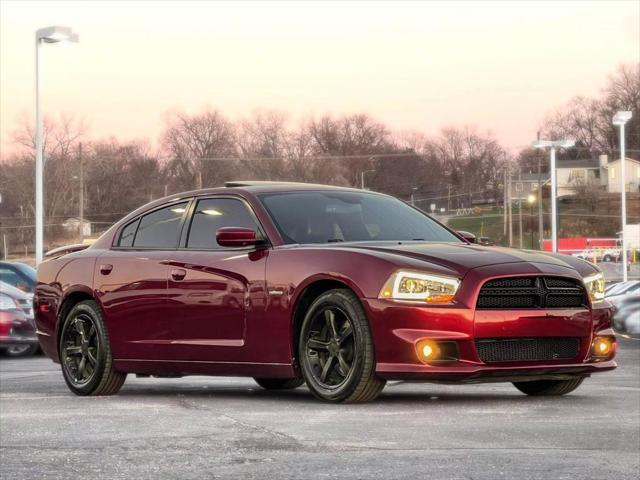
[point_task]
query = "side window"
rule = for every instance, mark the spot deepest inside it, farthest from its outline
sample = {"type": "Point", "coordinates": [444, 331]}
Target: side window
{"type": "Point", "coordinates": [127, 234]}
{"type": "Point", "coordinates": [214, 213]}
{"type": "Point", "coordinates": [159, 229]}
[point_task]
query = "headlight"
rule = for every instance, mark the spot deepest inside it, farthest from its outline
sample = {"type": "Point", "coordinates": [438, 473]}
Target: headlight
{"type": "Point", "coordinates": [432, 289]}
{"type": "Point", "coordinates": [8, 303]}
{"type": "Point", "coordinates": [595, 287]}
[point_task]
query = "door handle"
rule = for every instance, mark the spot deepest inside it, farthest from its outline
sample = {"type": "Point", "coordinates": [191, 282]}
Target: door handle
{"type": "Point", "coordinates": [106, 269]}
{"type": "Point", "coordinates": [178, 274]}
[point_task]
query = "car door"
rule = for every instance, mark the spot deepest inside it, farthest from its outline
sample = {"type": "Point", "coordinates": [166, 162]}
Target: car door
{"type": "Point", "coordinates": [214, 292]}
{"type": "Point", "coordinates": [130, 281]}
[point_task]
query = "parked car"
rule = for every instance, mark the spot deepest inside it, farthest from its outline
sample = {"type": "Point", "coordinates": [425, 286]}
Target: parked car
{"type": "Point", "coordinates": [486, 241]}
{"type": "Point", "coordinates": [17, 327]}
{"type": "Point", "coordinates": [627, 315]}
{"type": "Point", "coordinates": [620, 290]}
{"type": "Point", "coordinates": [19, 275]}
{"type": "Point", "coordinates": [339, 288]}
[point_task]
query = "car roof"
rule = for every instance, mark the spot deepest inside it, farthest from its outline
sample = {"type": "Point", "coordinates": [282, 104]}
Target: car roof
{"type": "Point", "coordinates": [257, 186]}
{"type": "Point", "coordinates": [253, 187]}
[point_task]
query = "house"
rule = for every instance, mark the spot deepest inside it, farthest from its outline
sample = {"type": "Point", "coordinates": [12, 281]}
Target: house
{"type": "Point", "coordinates": [574, 174]}
{"type": "Point", "coordinates": [527, 184]}
{"type": "Point", "coordinates": [571, 175]}
{"type": "Point", "coordinates": [73, 225]}
{"type": "Point", "coordinates": [614, 169]}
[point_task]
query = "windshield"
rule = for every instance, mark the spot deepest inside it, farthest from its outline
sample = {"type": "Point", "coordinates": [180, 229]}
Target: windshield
{"type": "Point", "coordinates": [322, 217]}
{"type": "Point", "coordinates": [18, 275]}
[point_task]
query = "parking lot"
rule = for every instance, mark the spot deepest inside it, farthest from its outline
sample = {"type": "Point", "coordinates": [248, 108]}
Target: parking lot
{"type": "Point", "coordinates": [201, 427]}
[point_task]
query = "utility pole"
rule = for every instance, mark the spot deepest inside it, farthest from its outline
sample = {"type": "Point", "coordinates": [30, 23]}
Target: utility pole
{"type": "Point", "coordinates": [510, 213]}
{"type": "Point", "coordinates": [504, 209]}
{"type": "Point", "coordinates": [540, 220]}
{"type": "Point", "coordinates": [81, 193]}
{"type": "Point", "coordinates": [520, 209]}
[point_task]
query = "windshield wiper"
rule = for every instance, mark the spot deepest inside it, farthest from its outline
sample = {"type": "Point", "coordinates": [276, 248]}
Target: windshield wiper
{"type": "Point", "coordinates": [334, 240]}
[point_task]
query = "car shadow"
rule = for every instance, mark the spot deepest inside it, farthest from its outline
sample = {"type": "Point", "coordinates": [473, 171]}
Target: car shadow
{"type": "Point", "coordinates": [303, 395]}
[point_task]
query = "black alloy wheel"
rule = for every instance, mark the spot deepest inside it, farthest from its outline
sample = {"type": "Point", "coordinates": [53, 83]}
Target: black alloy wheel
{"type": "Point", "coordinates": [336, 349]}
{"type": "Point", "coordinates": [85, 353]}
{"type": "Point", "coordinates": [80, 348]}
{"type": "Point", "coordinates": [330, 346]}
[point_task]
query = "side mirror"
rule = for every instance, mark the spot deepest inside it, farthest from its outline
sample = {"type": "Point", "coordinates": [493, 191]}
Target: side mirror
{"type": "Point", "coordinates": [468, 236]}
{"type": "Point", "coordinates": [237, 237]}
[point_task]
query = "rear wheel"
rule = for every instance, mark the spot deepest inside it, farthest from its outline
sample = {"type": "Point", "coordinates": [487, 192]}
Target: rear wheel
{"type": "Point", "coordinates": [336, 349]}
{"type": "Point", "coordinates": [85, 353]}
{"type": "Point", "coordinates": [549, 387]}
{"type": "Point", "coordinates": [22, 350]}
{"type": "Point", "coordinates": [279, 383]}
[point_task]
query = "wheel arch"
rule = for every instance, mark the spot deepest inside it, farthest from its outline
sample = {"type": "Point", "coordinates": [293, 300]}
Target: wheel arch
{"type": "Point", "coordinates": [70, 300]}
{"type": "Point", "coordinates": [308, 292]}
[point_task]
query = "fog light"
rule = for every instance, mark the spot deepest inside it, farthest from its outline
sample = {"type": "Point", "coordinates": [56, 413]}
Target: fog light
{"type": "Point", "coordinates": [602, 346]}
{"type": "Point", "coordinates": [427, 350]}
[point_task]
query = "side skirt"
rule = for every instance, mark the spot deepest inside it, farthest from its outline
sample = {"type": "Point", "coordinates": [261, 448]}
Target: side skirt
{"type": "Point", "coordinates": [193, 367]}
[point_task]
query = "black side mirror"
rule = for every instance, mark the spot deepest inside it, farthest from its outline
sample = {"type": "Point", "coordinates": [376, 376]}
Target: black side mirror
{"type": "Point", "coordinates": [468, 236]}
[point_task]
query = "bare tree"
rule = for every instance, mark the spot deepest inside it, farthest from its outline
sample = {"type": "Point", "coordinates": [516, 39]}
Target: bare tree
{"type": "Point", "coordinates": [194, 143]}
{"type": "Point", "coordinates": [588, 120]}
{"type": "Point", "coordinates": [263, 143]}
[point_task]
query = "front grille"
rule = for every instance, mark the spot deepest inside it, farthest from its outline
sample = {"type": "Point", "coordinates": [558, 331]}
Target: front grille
{"type": "Point", "coordinates": [532, 292]}
{"type": "Point", "coordinates": [527, 349]}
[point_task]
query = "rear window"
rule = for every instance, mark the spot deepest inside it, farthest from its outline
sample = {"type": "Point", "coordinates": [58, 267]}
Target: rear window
{"type": "Point", "coordinates": [128, 233]}
{"type": "Point", "coordinates": [160, 229]}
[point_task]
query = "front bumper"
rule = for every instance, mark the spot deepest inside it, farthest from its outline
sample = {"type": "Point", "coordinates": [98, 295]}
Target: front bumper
{"type": "Point", "coordinates": [398, 326]}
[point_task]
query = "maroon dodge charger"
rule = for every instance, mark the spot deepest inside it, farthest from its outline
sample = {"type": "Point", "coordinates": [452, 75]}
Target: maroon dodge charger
{"type": "Point", "coordinates": [338, 288]}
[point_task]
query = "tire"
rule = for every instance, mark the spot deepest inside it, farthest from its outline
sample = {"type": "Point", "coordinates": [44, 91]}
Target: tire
{"type": "Point", "coordinates": [335, 350]}
{"type": "Point", "coordinates": [16, 351]}
{"type": "Point", "coordinates": [549, 387]}
{"type": "Point", "coordinates": [85, 353]}
{"type": "Point", "coordinates": [279, 383]}
{"type": "Point", "coordinates": [607, 258]}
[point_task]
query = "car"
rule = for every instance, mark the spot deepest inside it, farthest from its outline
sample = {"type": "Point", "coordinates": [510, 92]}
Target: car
{"type": "Point", "coordinates": [486, 241]}
{"type": "Point", "coordinates": [17, 327]}
{"type": "Point", "coordinates": [338, 288]}
{"type": "Point", "coordinates": [621, 290]}
{"type": "Point", "coordinates": [19, 275]}
{"type": "Point", "coordinates": [627, 315]}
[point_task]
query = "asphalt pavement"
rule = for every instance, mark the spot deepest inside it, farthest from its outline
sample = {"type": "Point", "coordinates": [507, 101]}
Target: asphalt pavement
{"type": "Point", "coordinates": [210, 428]}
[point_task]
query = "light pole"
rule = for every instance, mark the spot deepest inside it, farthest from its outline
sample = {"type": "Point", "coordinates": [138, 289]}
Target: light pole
{"type": "Point", "coordinates": [620, 119]}
{"type": "Point", "coordinates": [554, 144]}
{"type": "Point", "coordinates": [413, 198]}
{"type": "Point", "coordinates": [362, 174]}
{"type": "Point", "coordinates": [531, 199]}
{"type": "Point", "coordinates": [44, 35]}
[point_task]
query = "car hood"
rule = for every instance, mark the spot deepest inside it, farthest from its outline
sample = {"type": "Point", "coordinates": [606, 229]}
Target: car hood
{"type": "Point", "coordinates": [463, 257]}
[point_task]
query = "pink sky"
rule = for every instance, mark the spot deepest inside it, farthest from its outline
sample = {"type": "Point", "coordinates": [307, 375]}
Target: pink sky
{"type": "Point", "coordinates": [501, 66]}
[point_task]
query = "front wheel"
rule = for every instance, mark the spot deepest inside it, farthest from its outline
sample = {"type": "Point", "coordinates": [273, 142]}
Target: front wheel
{"type": "Point", "coordinates": [85, 353]}
{"type": "Point", "coordinates": [549, 387]}
{"type": "Point", "coordinates": [336, 351]}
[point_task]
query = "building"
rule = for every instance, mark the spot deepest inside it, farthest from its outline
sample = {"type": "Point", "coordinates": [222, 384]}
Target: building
{"type": "Point", "coordinates": [72, 225]}
{"type": "Point", "coordinates": [597, 173]}
{"type": "Point", "coordinates": [574, 174]}
{"type": "Point", "coordinates": [613, 170]}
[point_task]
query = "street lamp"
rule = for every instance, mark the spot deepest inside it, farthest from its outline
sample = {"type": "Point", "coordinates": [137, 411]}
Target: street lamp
{"type": "Point", "coordinates": [44, 35]}
{"type": "Point", "coordinates": [362, 174]}
{"type": "Point", "coordinates": [531, 199]}
{"type": "Point", "coordinates": [620, 119]}
{"type": "Point", "coordinates": [413, 198]}
{"type": "Point", "coordinates": [553, 145]}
